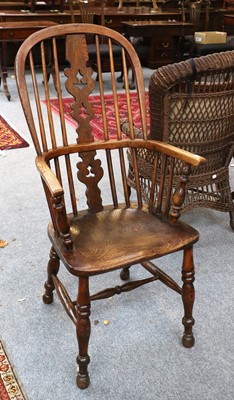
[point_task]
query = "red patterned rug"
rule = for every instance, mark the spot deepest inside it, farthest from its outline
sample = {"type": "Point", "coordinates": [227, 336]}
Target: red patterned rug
{"type": "Point", "coordinates": [97, 121]}
{"type": "Point", "coordinates": [9, 138]}
{"type": "Point", "coordinates": [10, 388]}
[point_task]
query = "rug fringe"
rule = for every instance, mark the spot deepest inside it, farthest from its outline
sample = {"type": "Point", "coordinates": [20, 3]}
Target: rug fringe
{"type": "Point", "coordinates": [9, 376]}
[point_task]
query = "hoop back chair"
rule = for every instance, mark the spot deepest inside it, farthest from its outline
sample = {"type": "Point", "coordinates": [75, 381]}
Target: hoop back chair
{"type": "Point", "coordinates": [87, 9]}
{"type": "Point", "coordinates": [191, 106]}
{"type": "Point", "coordinates": [95, 226]}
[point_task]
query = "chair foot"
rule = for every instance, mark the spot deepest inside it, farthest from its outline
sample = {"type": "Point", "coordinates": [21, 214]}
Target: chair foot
{"type": "Point", "coordinates": [232, 224]}
{"type": "Point", "coordinates": [188, 340]}
{"type": "Point", "coordinates": [124, 274]}
{"type": "Point", "coordinates": [48, 299]}
{"type": "Point", "coordinates": [232, 220]}
{"type": "Point", "coordinates": [82, 381]}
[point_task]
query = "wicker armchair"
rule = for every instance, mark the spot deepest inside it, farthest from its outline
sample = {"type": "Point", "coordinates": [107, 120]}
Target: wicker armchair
{"type": "Point", "coordinates": [191, 106]}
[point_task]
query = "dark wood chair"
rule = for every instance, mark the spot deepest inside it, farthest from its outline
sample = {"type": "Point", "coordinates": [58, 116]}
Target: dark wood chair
{"type": "Point", "coordinates": [138, 4]}
{"type": "Point", "coordinates": [87, 10]}
{"type": "Point", "coordinates": [114, 231]}
{"type": "Point", "coordinates": [87, 13]}
{"type": "Point", "coordinates": [191, 106]}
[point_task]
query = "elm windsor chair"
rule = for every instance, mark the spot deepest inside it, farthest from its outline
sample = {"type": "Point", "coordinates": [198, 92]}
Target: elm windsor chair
{"type": "Point", "coordinates": [114, 231]}
{"type": "Point", "coordinates": [191, 106]}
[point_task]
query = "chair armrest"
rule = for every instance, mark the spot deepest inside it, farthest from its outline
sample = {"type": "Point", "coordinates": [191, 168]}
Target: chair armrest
{"type": "Point", "coordinates": [154, 179]}
{"type": "Point", "coordinates": [49, 178]}
{"type": "Point", "coordinates": [181, 154]}
{"type": "Point", "coordinates": [57, 209]}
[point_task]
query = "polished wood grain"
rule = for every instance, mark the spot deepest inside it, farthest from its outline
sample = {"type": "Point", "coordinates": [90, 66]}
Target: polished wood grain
{"type": "Point", "coordinates": [116, 229]}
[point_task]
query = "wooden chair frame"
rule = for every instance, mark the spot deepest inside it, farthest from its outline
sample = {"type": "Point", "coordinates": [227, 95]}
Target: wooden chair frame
{"type": "Point", "coordinates": [116, 231]}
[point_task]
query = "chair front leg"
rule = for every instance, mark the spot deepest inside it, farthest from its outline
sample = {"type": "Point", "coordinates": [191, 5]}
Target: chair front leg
{"type": "Point", "coordinates": [52, 269]}
{"type": "Point", "coordinates": [188, 296]}
{"type": "Point", "coordinates": [83, 332]}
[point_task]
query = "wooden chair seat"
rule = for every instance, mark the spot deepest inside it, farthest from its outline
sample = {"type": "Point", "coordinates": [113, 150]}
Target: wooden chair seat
{"type": "Point", "coordinates": [137, 234]}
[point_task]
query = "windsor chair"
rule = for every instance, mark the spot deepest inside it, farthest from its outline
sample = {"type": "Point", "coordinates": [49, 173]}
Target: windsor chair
{"type": "Point", "coordinates": [96, 227]}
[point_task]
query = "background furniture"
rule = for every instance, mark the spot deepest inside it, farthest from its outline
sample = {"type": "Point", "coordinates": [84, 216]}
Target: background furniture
{"type": "Point", "coordinates": [228, 23]}
{"type": "Point", "coordinates": [191, 106]}
{"type": "Point", "coordinates": [138, 4]}
{"type": "Point", "coordinates": [54, 5]}
{"type": "Point", "coordinates": [87, 14]}
{"type": "Point", "coordinates": [161, 39]}
{"type": "Point", "coordinates": [15, 32]}
{"type": "Point", "coordinates": [161, 50]}
{"type": "Point", "coordinates": [114, 231]}
{"type": "Point", "coordinates": [87, 10]}
{"type": "Point", "coordinates": [189, 46]}
{"type": "Point", "coordinates": [112, 19]}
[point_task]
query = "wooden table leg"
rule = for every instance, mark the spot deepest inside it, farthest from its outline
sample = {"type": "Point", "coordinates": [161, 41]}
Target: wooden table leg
{"type": "Point", "coordinates": [3, 70]}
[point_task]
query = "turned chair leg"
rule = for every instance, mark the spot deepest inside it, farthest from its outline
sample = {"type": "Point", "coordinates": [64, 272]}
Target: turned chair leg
{"type": "Point", "coordinates": [188, 296]}
{"type": "Point", "coordinates": [52, 269]}
{"type": "Point", "coordinates": [232, 220]}
{"type": "Point", "coordinates": [83, 332]}
{"type": "Point", "coordinates": [231, 213]}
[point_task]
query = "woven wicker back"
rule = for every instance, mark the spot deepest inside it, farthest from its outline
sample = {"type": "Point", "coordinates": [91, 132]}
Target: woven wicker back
{"type": "Point", "coordinates": [192, 106]}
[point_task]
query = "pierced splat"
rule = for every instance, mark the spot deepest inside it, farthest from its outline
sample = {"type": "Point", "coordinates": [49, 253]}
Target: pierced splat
{"type": "Point", "coordinates": [90, 171]}
{"type": "Point", "coordinates": [80, 88]}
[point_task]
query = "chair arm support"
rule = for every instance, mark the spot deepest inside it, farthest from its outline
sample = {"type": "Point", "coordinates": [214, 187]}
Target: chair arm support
{"type": "Point", "coordinates": [179, 195]}
{"type": "Point", "coordinates": [58, 210]}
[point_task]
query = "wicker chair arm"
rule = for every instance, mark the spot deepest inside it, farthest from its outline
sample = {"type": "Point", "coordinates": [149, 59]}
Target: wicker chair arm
{"type": "Point", "coordinates": [124, 125]}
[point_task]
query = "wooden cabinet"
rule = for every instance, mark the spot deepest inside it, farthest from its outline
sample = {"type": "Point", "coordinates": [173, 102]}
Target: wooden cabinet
{"type": "Point", "coordinates": [162, 39]}
{"type": "Point", "coordinates": [161, 51]}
